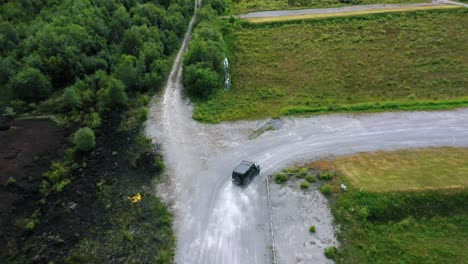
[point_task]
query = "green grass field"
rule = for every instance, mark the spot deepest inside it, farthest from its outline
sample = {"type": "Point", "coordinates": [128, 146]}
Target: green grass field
{"type": "Point", "coordinates": [379, 228]}
{"type": "Point", "coordinates": [412, 207]}
{"type": "Point", "coordinates": [407, 61]}
{"type": "Point", "coordinates": [407, 170]}
{"type": "Point", "coordinates": [244, 6]}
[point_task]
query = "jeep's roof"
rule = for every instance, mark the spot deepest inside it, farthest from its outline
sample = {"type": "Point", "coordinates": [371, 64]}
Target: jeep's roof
{"type": "Point", "coordinates": [243, 167]}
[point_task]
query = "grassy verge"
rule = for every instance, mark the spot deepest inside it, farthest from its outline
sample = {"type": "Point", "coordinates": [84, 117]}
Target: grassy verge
{"type": "Point", "coordinates": [388, 221]}
{"type": "Point", "coordinates": [343, 14]}
{"type": "Point", "coordinates": [401, 228]}
{"type": "Point", "coordinates": [244, 6]}
{"type": "Point", "coordinates": [407, 170]}
{"type": "Point", "coordinates": [397, 61]}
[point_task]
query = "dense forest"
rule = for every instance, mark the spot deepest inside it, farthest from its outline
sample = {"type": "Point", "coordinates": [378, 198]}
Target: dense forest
{"type": "Point", "coordinates": [88, 56]}
{"type": "Point", "coordinates": [91, 66]}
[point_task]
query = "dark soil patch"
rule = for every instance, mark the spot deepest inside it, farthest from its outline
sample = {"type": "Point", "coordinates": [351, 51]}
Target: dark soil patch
{"type": "Point", "coordinates": [26, 150]}
{"type": "Point", "coordinates": [96, 205]}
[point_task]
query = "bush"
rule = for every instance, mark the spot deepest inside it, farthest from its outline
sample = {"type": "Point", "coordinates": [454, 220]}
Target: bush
{"type": "Point", "coordinates": [310, 178]}
{"type": "Point", "coordinates": [326, 175]}
{"type": "Point", "coordinates": [57, 171]}
{"type": "Point", "coordinates": [302, 173]}
{"type": "Point", "coordinates": [71, 98]}
{"type": "Point", "coordinates": [31, 225]}
{"type": "Point", "coordinates": [312, 229]}
{"type": "Point", "coordinates": [330, 252]}
{"type": "Point", "coordinates": [158, 164]}
{"type": "Point", "coordinates": [200, 81]}
{"type": "Point", "coordinates": [30, 84]}
{"type": "Point", "coordinates": [281, 178]}
{"type": "Point", "coordinates": [11, 181]}
{"type": "Point", "coordinates": [304, 185]}
{"type": "Point", "coordinates": [84, 139]}
{"type": "Point", "coordinates": [326, 189]}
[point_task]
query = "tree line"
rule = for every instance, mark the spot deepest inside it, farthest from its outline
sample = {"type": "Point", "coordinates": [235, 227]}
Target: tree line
{"type": "Point", "coordinates": [203, 63]}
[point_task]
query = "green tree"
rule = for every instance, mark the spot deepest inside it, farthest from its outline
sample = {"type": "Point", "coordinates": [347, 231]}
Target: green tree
{"type": "Point", "coordinates": [71, 98]}
{"type": "Point", "coordinates": [84, 139]}
{"type": "Point", "coordinates": [31, 84]}
{"type": "Point", "coordinates": [200, 81]}
{"type": "Point", "coordinates": [111, 93]}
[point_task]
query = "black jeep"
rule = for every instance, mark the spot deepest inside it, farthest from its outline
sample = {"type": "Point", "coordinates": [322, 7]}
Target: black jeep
{"type": "Point", "coordinates": [244, 172]}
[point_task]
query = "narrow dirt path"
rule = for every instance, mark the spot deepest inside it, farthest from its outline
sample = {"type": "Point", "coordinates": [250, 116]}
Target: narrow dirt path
{"type": "Point", "coordinates": [262, 16]}
{"type": "Point", "coordinates": [216, 222]}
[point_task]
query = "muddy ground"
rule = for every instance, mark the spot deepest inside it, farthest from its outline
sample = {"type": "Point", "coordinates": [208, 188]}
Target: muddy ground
{"type": "Point", "coordinates": [76, 214]}
{"type": "Point", "coordinates": [26, 150]}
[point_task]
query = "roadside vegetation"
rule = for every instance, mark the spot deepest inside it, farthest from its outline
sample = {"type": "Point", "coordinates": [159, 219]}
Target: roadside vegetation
{"type": "Point", "coordinates": [407, 170]}
{"type": "Point", "coordinates": [368, 63]}
{"type": "Point", "coordinates": [404, 206]}
{"type": "Point", "coordinates": [204, 61]}
{"type": "Point", "coordinates": [420, 221]}
{"type": "Point", "coordinates": [93, 74]}
{"type": "Point", "coordinates": [244, 6]}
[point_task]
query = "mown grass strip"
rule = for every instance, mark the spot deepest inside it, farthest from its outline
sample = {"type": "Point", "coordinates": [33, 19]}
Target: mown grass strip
{"type": "Point", "coordinates": [345, 14]}
{"type": "Point", "coordinates": [375, 107]}
{"type": "Point", "coordinates": [406, 170]}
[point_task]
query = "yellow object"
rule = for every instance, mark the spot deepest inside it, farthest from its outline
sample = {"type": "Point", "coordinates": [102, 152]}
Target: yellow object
{"type": "Point", "coordinates": [135, 199]}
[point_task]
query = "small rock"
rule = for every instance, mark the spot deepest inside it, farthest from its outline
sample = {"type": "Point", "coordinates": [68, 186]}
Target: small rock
{"type": "Point", "coordinates": [114, 153]}
{"type": "Point", "coordinates": [72, 205]}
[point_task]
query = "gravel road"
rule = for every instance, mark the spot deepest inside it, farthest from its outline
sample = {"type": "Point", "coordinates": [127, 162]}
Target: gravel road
{"type": "Point", "coordinates": [316, 11]}
{"type": "Point", "coordinates": [216, 222]}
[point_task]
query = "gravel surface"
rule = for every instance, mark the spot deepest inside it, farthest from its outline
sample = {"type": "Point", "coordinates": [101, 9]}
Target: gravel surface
{"type": "Point", "coordinates": [216, 222]}
{"type": "Point", "coordinates": [316, 11]}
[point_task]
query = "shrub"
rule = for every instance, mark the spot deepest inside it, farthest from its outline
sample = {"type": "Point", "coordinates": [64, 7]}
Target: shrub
{"type": "Point", "coordinates": [310, 178]}
{"type": "Point", "coordinates": [84, 139]}
{"type": "Point", "coordinates": [11, 181]}
{"type": "Point", "coordinates": [312, 229]}
{"type": "Point", "coordinates": [330, 252]}
{"type": "Point", "coordinates": [326, 189]}
{"type": "Point", "coordinates": [302, 173]}
{"type": "Point", "coordinates": [31, 84]}
{"type": "Point", "coordinates": [281, 178]}
{"type": "Point", "coordinates": [57, 171]}
{"type": "Point", "coordinates": [326, 175]}
{"type": "Point", "coordinates": [61, 185]}
{"type": "Point", "coordinates": [158, 163]}
{"type": "Point", "coordinates": [304, 185]}
{"type": "Point", "coordinates": [31, 225]}
{"type": "Point", "coordinates": [71, 98]}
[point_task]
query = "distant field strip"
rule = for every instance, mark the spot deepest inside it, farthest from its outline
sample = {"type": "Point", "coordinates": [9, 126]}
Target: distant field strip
{"type": "Point", "coordinates": [352, 13]}
{"type": "Point", "coordinates": [380, 62]}
{"type": "Point", "coordinates": [407, 170]}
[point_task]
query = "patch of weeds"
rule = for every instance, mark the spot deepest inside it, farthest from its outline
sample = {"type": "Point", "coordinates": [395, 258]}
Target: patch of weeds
{"type": "Point", "coordinates": [326, 189]}
{"type": "Point", "coordinates": [60, 186]}
{"type": "Point", "coordinates": [291, 170]}
{"type": "Point", "coordinates": [301, 173]}
{"type": "Point", "coordinates": [158, 163]}
{"type": "Point", "coordinates": [280, 178]}
{"type": "Point", "coordinates": [304, 185]}
{"type": "Point", "coordinates": [32, 222]}
{"type": "Point", "coordinates": [312, 229]}
{"type": "Point", "coordinates": [57, 171]}
{"type": "Point", "coordinates": [330, 252]}
{"type": "Point", "coordinates": [311, 178]}
{"type": "Point", "coordinates": [326, 175]}
{"type": "Point", "coordinates": [11, 181]}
